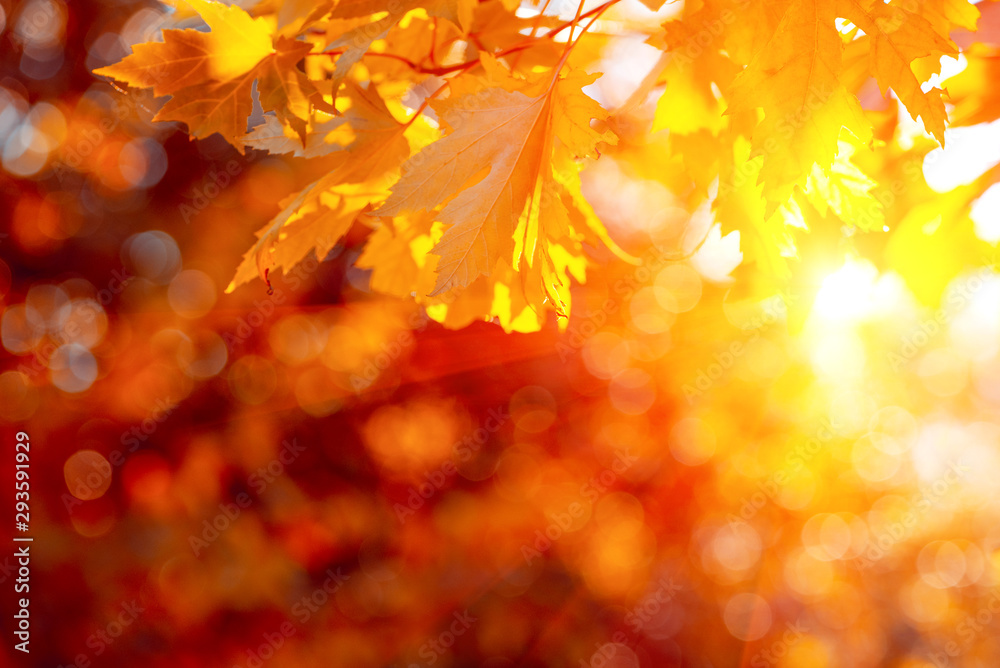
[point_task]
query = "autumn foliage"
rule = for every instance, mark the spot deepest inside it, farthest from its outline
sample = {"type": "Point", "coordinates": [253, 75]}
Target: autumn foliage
{"type": "Point", "coordinates": [480, 207]}
{"type": "Point", "coordinates": [505, 332]}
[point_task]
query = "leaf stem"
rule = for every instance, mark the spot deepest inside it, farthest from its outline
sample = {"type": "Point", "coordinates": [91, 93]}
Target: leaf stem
{"type": "Point", "coordinates": [521, 46]}
{"type": "Point", "coordinates": [427, 101]}
{"type": "Point", "coordinates": [434, 34]}
{"type": "Point", "coordinates": [572, 25]}
{"type": "Point", "coordinates": [570, 43]}
{"type": "Point", "coordinates": [534, 31]}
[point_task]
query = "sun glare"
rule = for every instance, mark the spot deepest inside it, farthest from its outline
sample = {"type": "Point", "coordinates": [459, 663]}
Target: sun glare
{"type": "Point", "coordinates": [848, 293]}
{"type": "Point", "coordinates": [985, 214]}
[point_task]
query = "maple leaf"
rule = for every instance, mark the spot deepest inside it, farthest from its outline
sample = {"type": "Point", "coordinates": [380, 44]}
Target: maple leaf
{"type": "Point", "coordinates": [211, 75]}
{"type": "Point", "coordinates": [314, 219]}
{"type": "Point", "coordinates": [283, 88]}
{"type": "Point", "coordinates": [896, 37]}
{"type": "Point", "coordinates": [371, 141]}
{"type": "Point", "coordinates": [235, 44]}
{"type": "Point", "coordinates": [356, 41]}
{"type": "Point", "coordinates": [846, 191]}
{"type": "Point", "coordinates": [485, 217]}
{"type": "Point", "coordinates": [277, 138]}
{"type": "Point", "coordinates": [689, 104]}
{"type": "Point", "coordinates": [181, 60]}
{"type": "Point", "coordinates": [395, 252]}
{"type": "Point", "coordinates": [504, 135]}
{"type": "Point", "coordinates": [490, 164]}
{"type": "Point", "coordinates": [795, 78]}
{"type": "Point", "coordinates": [459, 12]}
{"type": "Point", "coordinates": [222, 107]}
{"type": "Point", "coordinates": [766, 237]}
{"type": "Point", "coordinates": [367, 139]}
{"type": "Point", "coordinates": [370, 144]}
{"type": "Point", "coordinates": [237, 41]}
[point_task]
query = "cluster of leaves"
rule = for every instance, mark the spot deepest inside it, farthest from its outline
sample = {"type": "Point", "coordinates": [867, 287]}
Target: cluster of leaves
{"type": "Point", "coordinates": [788, 122]}
{"type": "Point", "coordinates": [455, 130]}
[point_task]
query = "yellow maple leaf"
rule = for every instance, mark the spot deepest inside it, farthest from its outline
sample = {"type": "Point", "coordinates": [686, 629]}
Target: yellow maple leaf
{"type": "Point", "coordinates": [489, 165]}
{"type": "Point", "coordinates": [939, 228]}
{"type": "Point", "coordinates": [237, 41]}
{"type": "Point", "coordinates": [314, 219]}
{"type": "Point", "coordinates": [210, 74]}
{"type": "Point", "coordinates": [372, 143]}
{"type": "Point", "coordinates": [896, 37]}
{"type": "Point", "coordinates": [846, 191]}
{"type": "Point", "coordinates": [181, 60]}
{"type": "Point", "coordinates": [235, 44]}
{"type": "Point", "coordinates": [689, 104]}
{"type": "Point", "coordinates": [766, 237]}
{"type": "Point", "coordinates": [283, 88]}
{"type": "Point", "coordinates": [210, 93]}
{"type": "Point", "coordinates": [946, 15]}
{"type": "Point", "coordinates": [216, 106]}
{"type": "Point", "coordinates": [395, 252]}
{"type": "Point", "coordinates": [459, 12]}
{"type": "Point", "coordinates": [275, 137]}
{"type": "Point", "coordinates": [795, 78]}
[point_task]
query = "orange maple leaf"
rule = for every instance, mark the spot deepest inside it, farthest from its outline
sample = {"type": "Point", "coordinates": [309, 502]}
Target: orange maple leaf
{"type": "Point", "coordinates": [488, 167]}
